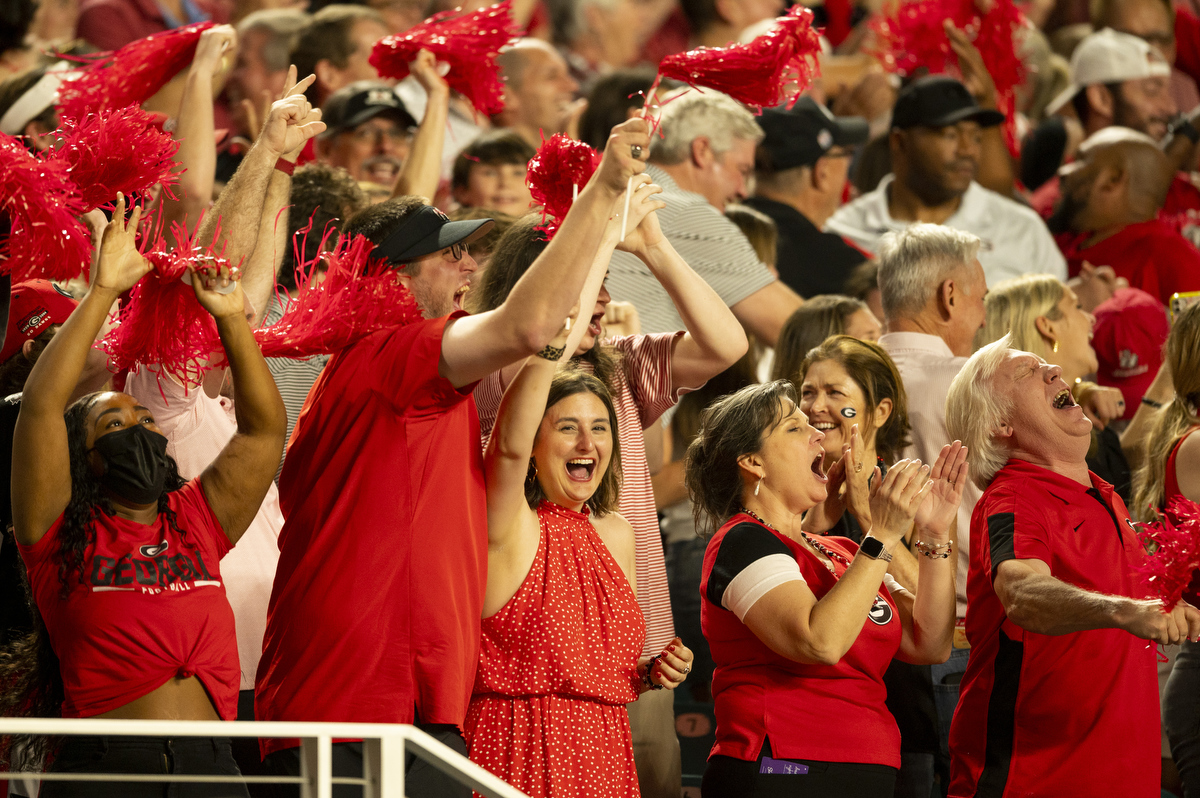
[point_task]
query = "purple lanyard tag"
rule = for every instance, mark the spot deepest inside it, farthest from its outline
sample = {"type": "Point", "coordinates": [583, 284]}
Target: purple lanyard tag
{"type": "Point", "coordinates": [781, 767]}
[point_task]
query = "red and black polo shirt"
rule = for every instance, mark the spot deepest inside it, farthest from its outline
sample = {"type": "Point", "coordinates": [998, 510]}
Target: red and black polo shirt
{"type": "Point", "coordinates": [1066, 715]}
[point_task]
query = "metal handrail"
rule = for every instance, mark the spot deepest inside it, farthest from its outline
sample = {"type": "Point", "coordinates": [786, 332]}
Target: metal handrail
{"type": "Point", "coordinates": [384, 748]}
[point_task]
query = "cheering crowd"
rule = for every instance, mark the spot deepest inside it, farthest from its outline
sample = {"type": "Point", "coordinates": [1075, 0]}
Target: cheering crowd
{"type": "Point", "coordinates": [479, 372]}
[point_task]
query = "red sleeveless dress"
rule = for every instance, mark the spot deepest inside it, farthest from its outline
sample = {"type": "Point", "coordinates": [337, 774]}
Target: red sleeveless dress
{"type": "Point", "coordinates": [558, 664]}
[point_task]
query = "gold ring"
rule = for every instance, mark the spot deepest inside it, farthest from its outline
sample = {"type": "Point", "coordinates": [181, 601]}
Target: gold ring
{"type": "Point", "coordinates": [857, 467]}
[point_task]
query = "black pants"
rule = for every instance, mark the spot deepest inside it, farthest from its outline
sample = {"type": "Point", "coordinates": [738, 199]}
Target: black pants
{"type": "Point", "coordinates": [194, 756]}
{"type": "Point", "coordinates": [421, 780]}
{"type": "Point", "coordinates": [726, 777]}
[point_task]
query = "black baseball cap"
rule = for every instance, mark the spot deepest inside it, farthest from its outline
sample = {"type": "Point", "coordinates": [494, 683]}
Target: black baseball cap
{"type": "Point", "coordinates": [938, 101]}
{"type": "Point", "coordinates": [350, 106]}
{"type": "Point", "coordinates": [801, 135]}
{"type": "Point", "coordinates": [428, 230]}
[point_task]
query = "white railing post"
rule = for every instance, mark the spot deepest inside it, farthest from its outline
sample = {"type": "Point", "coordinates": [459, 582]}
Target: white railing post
{"type": "Point", "coordinates": [316, 767]}
{"type": "Point", "coordinates": [384, 780]}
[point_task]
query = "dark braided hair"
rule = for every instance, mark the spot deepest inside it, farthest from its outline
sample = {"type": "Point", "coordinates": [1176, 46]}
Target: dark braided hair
{"type": "Point", "coordinates": [30, 679]}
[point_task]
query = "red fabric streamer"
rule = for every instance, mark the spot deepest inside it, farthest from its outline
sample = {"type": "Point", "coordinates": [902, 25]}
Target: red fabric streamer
{"type": "Point", "coordinates": [131, 75]}
{"type": "Point", "coordinates": [559, 170]}
{"type": "Point", "coordinates": [774, 68]}
{"type": "Point", "coordinates": [163, 325]}
{"type": "Point", "coordinates": [355, 297]}
{"type": "Point", "coordinates": [912, 37]}
{"type": "Point", "coordinates": [114, 151]}
{"type": "Point", "coordinates": [467, 43]}
{"type": "Point", "coordinates": [47, 240]}
{"type": "Point", "coordinates": [1176, 541]}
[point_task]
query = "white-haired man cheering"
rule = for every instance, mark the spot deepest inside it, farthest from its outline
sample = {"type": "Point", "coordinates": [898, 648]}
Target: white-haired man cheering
{"type": "Point", "coordinates": [1060, 697]}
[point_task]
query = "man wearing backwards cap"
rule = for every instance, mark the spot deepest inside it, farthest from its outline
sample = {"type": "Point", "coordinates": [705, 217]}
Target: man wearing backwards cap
{"type": "Point", "coordinates": [375, 611]}
{"type": "Point", "coordinates": [800, 170]}
{"type": "Point", "coordinates": [368, 132]}
{"type": "Point", "coordinates": [935, 147]}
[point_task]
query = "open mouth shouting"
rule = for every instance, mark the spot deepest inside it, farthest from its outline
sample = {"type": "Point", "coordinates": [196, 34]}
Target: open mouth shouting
{"type": "Point", "coordinates": [594, 325]}
{"type": "Point", "coordinates": [1063, 400]}
{"type": "Point", "coordinates": [817, 466]}
{"type": "Point", "coordinates": [460, 295]}
{"type": "Point", "coordinates": [580, 469]}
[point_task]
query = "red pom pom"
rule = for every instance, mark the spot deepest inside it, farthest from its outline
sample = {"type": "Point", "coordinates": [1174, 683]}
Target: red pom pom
{"type": "Point", "coordinates": [47, 240]}
{"type": "Point", "coordinates": [1176, 541]}
{"type": "Point", "coordinates": [559, 170]}
{"type": "Point", "coordinates": [131, 75]}
{"type": "Point", "coordinates": [913, 37]}
{"type": "Point", "coordinates": [115, 151]}
{"type": "Point", "coordinates": [357, 297]}
{"type": "Point", "coordinates": [468, 43]}
{"type": "Point", "coordinates": [163, 325]}
{"type": "Point", "coordinates": [774, 68]}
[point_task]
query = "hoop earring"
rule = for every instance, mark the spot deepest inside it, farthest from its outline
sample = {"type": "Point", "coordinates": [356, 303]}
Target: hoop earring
{"type": "Point", "coordinates": [758, 484]}
{"type": "Point", "coordinates": [1054, 348]}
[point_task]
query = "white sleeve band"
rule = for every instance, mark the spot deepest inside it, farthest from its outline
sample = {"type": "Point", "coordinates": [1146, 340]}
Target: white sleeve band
{"type": "Point", "coordinates": [757, 579]}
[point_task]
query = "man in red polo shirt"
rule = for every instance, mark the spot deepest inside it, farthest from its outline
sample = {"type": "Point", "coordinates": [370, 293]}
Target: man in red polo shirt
{"type": "Point", "coordinates": [1060, 697]}
{"type": "Point", "coordinates": [375, 612]}
{"type": "Point", "coordinates": [1108, 213]}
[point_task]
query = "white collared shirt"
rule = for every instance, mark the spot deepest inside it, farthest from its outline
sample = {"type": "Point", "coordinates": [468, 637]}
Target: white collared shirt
{"type": "Point", "coordinates": [1015, 239]}
{"type": "Point", "coordinates": [927, 367]}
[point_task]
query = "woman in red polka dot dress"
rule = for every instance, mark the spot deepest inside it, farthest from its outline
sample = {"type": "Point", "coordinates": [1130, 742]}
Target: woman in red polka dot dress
{"type": "Point", "coordinates": [562, 629]}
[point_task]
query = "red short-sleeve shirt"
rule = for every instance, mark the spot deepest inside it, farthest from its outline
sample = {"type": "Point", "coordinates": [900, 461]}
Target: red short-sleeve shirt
{"type": "Point", "coordinates": [1063, 715]}
{"type": "Point", "coordinates": [383, 556]}
{"type": "Point", "coordinates": [1150, 255]}
{"type": "Point", "coordinates": [151, 606]}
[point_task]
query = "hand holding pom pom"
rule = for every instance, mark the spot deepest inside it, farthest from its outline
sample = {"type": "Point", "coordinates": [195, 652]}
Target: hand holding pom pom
{"type": "Point", "coordinates": [120, 265]}
{"type": "Point", "coordinates": [218, 284]}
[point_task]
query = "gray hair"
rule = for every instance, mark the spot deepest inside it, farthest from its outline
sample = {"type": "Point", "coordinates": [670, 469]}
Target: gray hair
{"type": "Point", "coordinates": [975, 410]}
{"type": "Point", "coordinates": [914, 261]}
{"type": "Point", "coordinates": [710, 114]}
{"type": "Point", "coordinates": [283, 27]}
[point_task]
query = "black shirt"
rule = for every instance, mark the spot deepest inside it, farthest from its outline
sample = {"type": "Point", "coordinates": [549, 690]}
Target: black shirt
{"type": "Point", "coordinates": [809, 262]}
{"type": "Point", "coordinates": [15, 619]}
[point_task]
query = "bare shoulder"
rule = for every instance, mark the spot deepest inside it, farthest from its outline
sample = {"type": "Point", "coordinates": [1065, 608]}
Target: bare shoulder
{"type": "Point", "coordinates": [618, 537]}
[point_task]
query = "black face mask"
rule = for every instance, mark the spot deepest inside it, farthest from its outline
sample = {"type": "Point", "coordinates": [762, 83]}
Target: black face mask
{"type": "Point", "coordinates": [135, 464]}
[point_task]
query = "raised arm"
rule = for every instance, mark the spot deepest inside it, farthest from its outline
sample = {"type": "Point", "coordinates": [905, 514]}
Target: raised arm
{"type": "Point", "coordinates": [422, 170]}
{"type": "Point", "coordinates": [714, 339]}
{"type": "Point", "coordinates": [41, 487]}
{"type": "Point", "coordinates": [475, 346]}
{"type": "Point", "coordinates": [194, 130]}
{"type": "Point", "coordinates": [790, 619]}
{"type": "Point", "coordinates": [1035, 600]}
{"type": "Point", "coordinates": [291, 122]}
{"type": "Point", "coordinates": [237, 480]}
{"type": "Point", "coordinates": [262, 268]}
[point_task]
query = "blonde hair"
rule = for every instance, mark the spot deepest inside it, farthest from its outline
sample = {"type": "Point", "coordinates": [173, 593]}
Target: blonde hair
{"type": "Point", "coordinates": [759, 229]}
{"type": "Point", "coordinates": [975, 410]}
{"type": "Point", "coordinates": [1183, 356]}
{"type": "Point", "coordinates": [1014, 306]}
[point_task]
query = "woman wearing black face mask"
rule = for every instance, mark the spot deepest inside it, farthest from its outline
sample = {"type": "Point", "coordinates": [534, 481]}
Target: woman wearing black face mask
{"type": "Point", "coordinates": [123, 556]}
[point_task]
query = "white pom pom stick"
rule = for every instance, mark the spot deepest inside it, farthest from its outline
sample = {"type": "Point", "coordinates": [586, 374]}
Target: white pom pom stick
{"type": "Point", "coordinates": [628, 197]}
{"type": "Point", "coordinates": [574, 192]}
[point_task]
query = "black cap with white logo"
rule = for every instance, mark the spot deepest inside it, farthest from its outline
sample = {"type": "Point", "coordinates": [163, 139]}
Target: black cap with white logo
{"type": "Point", "coordinates": [350, 106]}
{"type": "Point", "coordinates": [939, 101]}
{"type": "Point", "coordinates": [428, 230]}
{"type": "Point", "coordinates": [801, 135]}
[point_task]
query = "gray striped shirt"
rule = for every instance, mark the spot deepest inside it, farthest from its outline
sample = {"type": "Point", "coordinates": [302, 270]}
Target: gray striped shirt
{"type": "Point", "coordinates": [711, 244]}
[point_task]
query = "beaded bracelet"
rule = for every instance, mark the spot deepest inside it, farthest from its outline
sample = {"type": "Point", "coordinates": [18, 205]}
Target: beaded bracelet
{"type": "Point", "coordinates": [934, 551]}
{"type": "Point", "coordinates": [646, 680]}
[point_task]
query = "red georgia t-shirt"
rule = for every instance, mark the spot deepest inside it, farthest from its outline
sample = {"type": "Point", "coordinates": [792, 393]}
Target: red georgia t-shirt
{"type": "Point", "coordinates": [1054, 715]}
{"type": "Point", "coordinates": [378, 595]}
{"type": "Point", "coordinates": [152, 606]}
{"type": "Point", "coordinates": [1150, 255]}
{"type": "Point", "coordinates": [827, 713]}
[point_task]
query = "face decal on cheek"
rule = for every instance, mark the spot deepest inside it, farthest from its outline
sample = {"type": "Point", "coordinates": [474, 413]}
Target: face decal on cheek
{"type": "Point", "coordinates": [848, 412]}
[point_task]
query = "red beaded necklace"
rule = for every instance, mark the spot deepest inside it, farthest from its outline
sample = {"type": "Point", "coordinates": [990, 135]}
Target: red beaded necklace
{"type": "Point", "coordinates": [830, 553]}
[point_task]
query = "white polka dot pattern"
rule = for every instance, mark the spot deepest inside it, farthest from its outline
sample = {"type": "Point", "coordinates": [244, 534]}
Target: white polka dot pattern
{"type": "Point", "coordinates": [557, 666]}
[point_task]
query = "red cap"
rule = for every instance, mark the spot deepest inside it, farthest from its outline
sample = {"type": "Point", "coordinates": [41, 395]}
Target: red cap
{"type": "Point", "coordinates": [35, 306]}
{"type": "Point", "coordinates": [1131, 328]}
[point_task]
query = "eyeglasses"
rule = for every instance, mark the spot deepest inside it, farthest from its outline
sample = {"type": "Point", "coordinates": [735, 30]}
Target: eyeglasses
{"type": "Point", "coordinates": [457, 251]}
{"type": "Point", "coordinates": [373, 135]}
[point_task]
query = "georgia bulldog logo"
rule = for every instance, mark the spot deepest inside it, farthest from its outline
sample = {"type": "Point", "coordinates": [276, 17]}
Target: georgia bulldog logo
{"type": "Point", "coordinates": [881, 612]}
